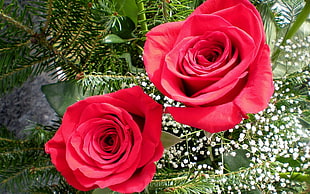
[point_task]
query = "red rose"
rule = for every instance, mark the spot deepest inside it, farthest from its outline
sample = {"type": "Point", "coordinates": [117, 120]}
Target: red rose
{"type": "Point", "coordinates": [110, 141]}
{"type": "Point", "coordinates": [216, 62]}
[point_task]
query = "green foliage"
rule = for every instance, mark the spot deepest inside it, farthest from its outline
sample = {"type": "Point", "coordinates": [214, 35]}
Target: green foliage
{"type": "Point", "coordinates": [127, 8]}
{"type": "Point", "coordinates": [63, 94]}
{"type": "Point", "coordinates": [169, 140]}
{"type": "Point", "coordinates": [290, 10]}
{"type": "Point", "coordinates": [104, 191]}
{"type": "Point", "coordinates": [24, 162]}
{"type": "Point", "coordinates": [239, 160]}
{"type": "Point", "coordinates": [19, 57]}
{"type": "Point", "coordinates": [270, 25]}
{"type": "Point", "coordinates": [66, 38]}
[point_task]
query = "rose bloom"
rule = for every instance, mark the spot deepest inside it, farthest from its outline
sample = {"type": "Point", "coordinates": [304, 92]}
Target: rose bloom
{"type": "Point", "coordinates": [215, 62]}
{"type": "Point", "coordinates": [110, 141]}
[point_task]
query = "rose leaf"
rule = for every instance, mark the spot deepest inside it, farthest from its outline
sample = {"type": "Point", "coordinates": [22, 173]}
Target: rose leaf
{"type": "Point", "coordinates": [236, 159]}
{"type": "Point", "coordinates": [63, 94]}
{"type": "Point", "coordinates": [104, 191]}
{"type": "Point", "coordinates": [169, 140]}
{"type": "Point", "coordinates": [127, 8]}
{"type": "Point", "coordinates": [112, 38]}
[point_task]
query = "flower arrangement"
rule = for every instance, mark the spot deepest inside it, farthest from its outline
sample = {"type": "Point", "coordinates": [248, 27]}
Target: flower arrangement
{"type": "Point", "coordinates": [162, 96]}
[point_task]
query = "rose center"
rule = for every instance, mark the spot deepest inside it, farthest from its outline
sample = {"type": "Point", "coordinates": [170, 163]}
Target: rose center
{"type": "Point", "coordinates": [109, 140]}
{"type": "Point", "coordinates": [209, 55]}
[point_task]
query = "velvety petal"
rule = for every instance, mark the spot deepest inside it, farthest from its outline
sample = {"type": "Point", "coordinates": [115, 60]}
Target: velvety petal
{"type": "Point", "coordinates": [252, 25]}
{"type": "Point", "coordinates": [127, 99]}
{"type": "Point", "coordinates": [198, 25]}
{"type": "Point", "coordinates": [105, 181]}
{"type": "Point", "coordinates": [232, 11]}
{"type": "Point", "coordinates": [257, 92]}
{"type": "Point", "coordinates": [194, 85]}
{"type": "Point", "coordinates": [94, 148]}
{"type": "Point", "coordinates": [151, 132]}
{"type": "Point", "coordinates": [203, 98]}
{"type": "Point", "coordinates": [99, 110]}
{"type": "Point", "coordinates": [151, 111]}
{"type": "Point", "coordinates": [135, 153]}
{"type": "Point", "coordinates": [95, 110]}
{"type": "Point", "coordinates": [71, 118]}
{"type": "Point", "coordinates": [57, 150]}
{"type": "Point", "coordinates": [137, 183]}
{"type": "Point", "coordinates": [212, 119]}
{"type": "Point", "coordinates": [159, 42]}
{"type": "Point", "coordinates": [211, 6]}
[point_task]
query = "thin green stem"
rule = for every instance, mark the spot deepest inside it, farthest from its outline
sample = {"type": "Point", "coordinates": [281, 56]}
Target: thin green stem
{"type": "Point", "coordinates": [165, 13]}
{"type": "Point", "coordinates": [189, 134]}
{"type": "Point", "coordinates": [141, 15]}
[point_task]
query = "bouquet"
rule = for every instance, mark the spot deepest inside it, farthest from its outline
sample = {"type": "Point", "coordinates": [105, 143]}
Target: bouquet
{"type": "Point", "coordinates": [160, 96]}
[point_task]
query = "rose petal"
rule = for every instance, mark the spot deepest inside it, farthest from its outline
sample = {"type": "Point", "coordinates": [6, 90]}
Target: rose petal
{"type": "Point", "coordinates": [121, 113]}
{"type": "Point", "coordinates": [159, 42]}
{"type": "Point", "coordinates": [257, 92]}
{"type": "Point", "coordinates": [198, 25]}
{"type": "Point", "coordinates": [253, 24]}
{"type": "Point", "coordinates": [103, 182]}
{"type": "Point", "coordinates": [211, 6]}
{"type": "Point", "coordinates": [57, 150]}
{"type": "Point", "coordinates": [212, 119]}
{"type": "Point", "coordinates": [137, 183]}
{"type": "Point", "coordinates": [151, 132]}
{"type": "Point", "coordinates": [71, 118]}
{"type": "Point", "coordinates": [232, 11]}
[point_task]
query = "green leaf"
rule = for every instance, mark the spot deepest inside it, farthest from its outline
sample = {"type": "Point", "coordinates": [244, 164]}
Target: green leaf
{"type": "Point", "coordinates": [127, 8]}
{"type": "Point", "coordinates": [169, 140]}
{"type": "Point", "coordinates": [294, 26]}
{"type": "Point", "coordinates": [112, 38]}
{"type": "Point", "coordinates": [305, 28]}
{"type": "Point", "coordinates": [304, 123]}
{"type": "Point", "coordinates": [290, 161]}
{"type": "Point", "coordinates": [123, 27]}
{"type": "Point", "coordinates": [269, 24]}
{"type": "Point", "coordinates": [301, 18]}
{"type": "Point", "coordinates": [296, 176]}
{"type": "Point", "coordinates": [1, 4]}
{"type": "Point", "coordinates": [282, 69]}
{"type": "Point", "coordinates": [234, 163]}
{"type": "Point", "coordinates": [63, 94]}
{"type": "Point", "coordinates": [132, 68]}
{"type": "Point", "coordinates": [103, 191]}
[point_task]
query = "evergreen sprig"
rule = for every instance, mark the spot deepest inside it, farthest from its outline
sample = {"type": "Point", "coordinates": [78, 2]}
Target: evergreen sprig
{"type": "Point", "coordinates": [19, 24]}
{"type": "Point", "coordinates": [23, 161]}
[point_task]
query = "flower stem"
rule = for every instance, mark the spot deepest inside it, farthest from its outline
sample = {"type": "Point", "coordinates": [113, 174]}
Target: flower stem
{"type": "Point", "coordinates": [301, 18]}
{"type": "Point", "coordinates": [141, 15]}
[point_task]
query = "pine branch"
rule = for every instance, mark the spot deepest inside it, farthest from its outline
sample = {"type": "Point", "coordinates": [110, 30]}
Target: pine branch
{"type": "Point", "coordinates": [99, 84]}
{"type": "Point", "coordinates": [24, 163]}
{"type": "Point", "coordinates": [16, 23]}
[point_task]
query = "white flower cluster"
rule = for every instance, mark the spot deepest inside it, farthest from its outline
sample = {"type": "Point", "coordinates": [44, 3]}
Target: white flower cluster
{"type": "Point", "coordinates": [295, 55]}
